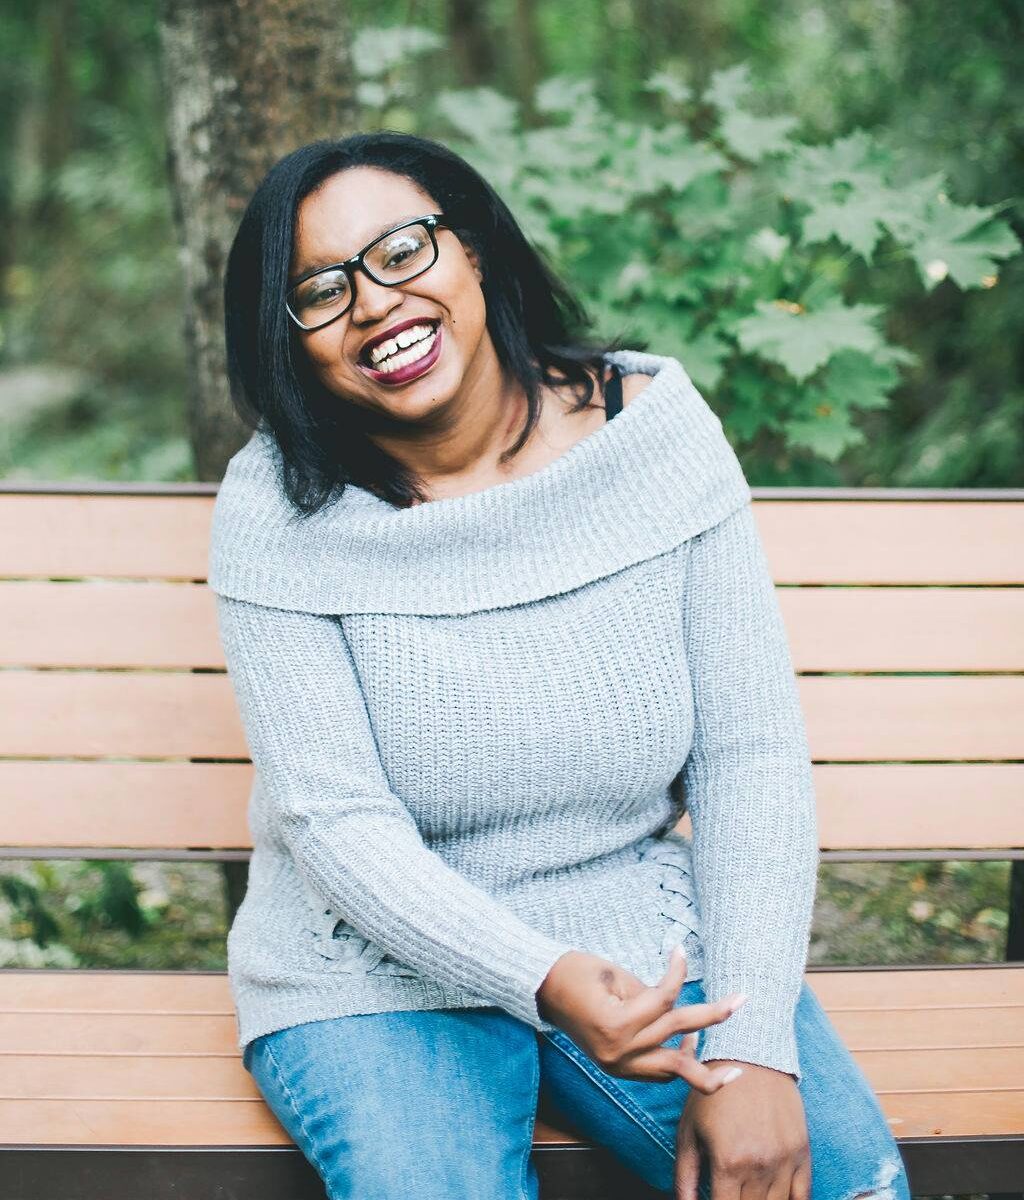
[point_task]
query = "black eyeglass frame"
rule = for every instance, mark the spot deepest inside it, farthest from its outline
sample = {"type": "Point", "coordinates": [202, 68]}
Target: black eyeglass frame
{"type": "Point", "coordinates": [432, 222]}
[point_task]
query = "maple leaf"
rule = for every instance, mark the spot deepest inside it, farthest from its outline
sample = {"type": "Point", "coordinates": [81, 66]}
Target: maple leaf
{"type": "Point", "coordinates": [803, 341]}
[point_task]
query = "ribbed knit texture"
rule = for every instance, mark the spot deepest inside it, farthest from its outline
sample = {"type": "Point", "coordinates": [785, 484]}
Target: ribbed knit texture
{"type": "Point", "coordinates": [469, 720]}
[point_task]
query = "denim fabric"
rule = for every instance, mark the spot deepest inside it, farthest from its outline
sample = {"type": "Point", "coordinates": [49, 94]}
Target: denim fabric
{"type": "Point", "coordinates": [440, 1105]}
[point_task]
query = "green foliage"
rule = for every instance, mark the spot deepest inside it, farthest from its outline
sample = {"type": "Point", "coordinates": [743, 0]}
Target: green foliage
{"type": "Point", "coordinates": [738, 249]}
{"type": "Point", "coordinates": [97, 913]}
{"type": "Point", "coordinates": [931, 912]}
{"type": "Point", "coordinates": [771, 267]}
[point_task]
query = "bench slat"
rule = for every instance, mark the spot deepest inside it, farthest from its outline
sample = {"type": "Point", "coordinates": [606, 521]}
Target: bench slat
{"type": "Point", "coordinates": [208, 993]}
{"type": "Point", "coordinates": [107, 624]}
{"type": "Point", "coordinates": [163, 715]}
{"type": "Point", "coordinates": [218, 1077]}
{"type": "Point", "coordinates": [251, 1123]}
{"type": "Point", "coordinates": [807, 541]}
{"type": "Point", "coordinates": [180, 805]}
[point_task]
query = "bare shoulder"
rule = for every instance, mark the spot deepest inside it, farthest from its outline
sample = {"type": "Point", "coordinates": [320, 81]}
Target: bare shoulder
{"type": "Point", "coordinates": [632, 385]}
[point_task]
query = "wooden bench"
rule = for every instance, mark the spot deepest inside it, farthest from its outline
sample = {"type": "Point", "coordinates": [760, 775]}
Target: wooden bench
{"type": "Point", "coordinates": [120, 738]}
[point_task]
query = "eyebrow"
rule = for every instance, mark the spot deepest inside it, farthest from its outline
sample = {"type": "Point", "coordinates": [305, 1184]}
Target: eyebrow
{"type": "Point", "coordinates": [309, 270]}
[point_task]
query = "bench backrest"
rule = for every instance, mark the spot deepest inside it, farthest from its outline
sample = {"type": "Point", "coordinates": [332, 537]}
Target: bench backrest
{"type": "Point", "coordinates": [120, 736]}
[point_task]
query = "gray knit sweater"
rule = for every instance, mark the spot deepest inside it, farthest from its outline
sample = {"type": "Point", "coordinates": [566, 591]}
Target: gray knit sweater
{"type": "Point", "coordinates": [467, 719]}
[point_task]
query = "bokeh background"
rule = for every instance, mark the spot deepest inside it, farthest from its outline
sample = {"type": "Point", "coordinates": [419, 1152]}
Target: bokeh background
{"type": "Point", "coordinates": [818, 208]}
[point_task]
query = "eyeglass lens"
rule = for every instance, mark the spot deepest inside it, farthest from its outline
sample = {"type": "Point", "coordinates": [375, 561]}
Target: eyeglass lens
{"type": "Point", "coordinates": [392, 259]}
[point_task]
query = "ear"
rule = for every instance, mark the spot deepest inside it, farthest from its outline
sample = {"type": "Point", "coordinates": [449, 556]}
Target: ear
{"type": "Point", "coordinates": [474, 260]}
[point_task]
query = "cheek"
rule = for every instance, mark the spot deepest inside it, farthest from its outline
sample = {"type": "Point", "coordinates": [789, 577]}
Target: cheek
{"type": "Point", "coordinates": [325, 355]}
{"type": "Point", "coordinates": [466, 303]}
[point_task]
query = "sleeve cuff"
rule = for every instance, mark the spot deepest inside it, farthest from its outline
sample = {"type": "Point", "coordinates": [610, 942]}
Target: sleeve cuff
{"type": "Point", "coordinates": [761, 1032]}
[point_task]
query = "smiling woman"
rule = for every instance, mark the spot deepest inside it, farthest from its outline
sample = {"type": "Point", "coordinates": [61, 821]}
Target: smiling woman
{"type": "Point", "coordinates": [483, 639]}
{"type": "Point", "coordinates": [400, 352]}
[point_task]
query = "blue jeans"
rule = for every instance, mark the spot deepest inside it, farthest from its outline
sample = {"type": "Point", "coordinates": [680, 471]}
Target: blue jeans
{"type": "Point", "coordinates": [440, 1105]}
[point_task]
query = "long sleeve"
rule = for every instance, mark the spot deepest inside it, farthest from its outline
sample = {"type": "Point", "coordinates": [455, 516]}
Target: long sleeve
{"type": "Point", "coordinates": [351, 838]}
{"type": "Point", "coordinates": [748, 787]}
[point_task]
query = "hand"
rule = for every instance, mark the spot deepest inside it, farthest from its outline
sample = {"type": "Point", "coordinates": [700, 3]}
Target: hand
{"type": "Point", "coordinates": [755, 1137]}
{"type": "Point", "coordinates": [621, 1023]}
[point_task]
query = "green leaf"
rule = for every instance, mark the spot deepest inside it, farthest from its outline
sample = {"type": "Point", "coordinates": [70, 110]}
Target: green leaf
{"type": "Point", "coordinates": [854, 380]}
{"type": "Point", "coordinates": [753, 138]}
{"type": "Point", "coordinates": [566, 94]}
{"type": "Point", "coordinates": [858, 223]}
{"type": "Point", "coordinates": [802, 341]}
{"type": "Point", "coordinates": [855, 161]}
{"type": "Point", "coordinates": [481, 114]}
{"type": "Point", "coordinates": [379, 49]}
{"type": "Point", "coordinates": [964, 243]}
{"type": "Point", "coordinates": [728, 86]}
{"type": "Point", "coordinates": [669, 85]}
{"type": "Point", "coordinates": [678, 171]}
{"type": "Point", "coordinates": [828, 432]}
{"type": "Point", "coordinates": [702, 356]}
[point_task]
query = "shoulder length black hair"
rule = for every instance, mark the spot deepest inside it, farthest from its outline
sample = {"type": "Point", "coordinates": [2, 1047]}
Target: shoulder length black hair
{"type": "Point", "coordinates": [538, 327]}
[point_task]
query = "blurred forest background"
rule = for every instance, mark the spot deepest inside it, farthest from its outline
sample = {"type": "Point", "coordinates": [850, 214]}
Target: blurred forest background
{"type": "Point", "coordinates": [818, 208]}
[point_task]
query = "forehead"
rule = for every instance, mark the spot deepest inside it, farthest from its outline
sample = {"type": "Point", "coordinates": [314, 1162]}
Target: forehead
{"type": "Point", "coordinates": [350, 209]}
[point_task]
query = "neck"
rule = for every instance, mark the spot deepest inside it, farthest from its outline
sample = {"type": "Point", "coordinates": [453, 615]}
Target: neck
{"type": "Point", "coordinates": [463, 438]}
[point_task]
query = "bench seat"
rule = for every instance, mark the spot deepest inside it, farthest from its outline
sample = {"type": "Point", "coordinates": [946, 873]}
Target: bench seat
{"type": "Point", "coordinates": [147, 1059]}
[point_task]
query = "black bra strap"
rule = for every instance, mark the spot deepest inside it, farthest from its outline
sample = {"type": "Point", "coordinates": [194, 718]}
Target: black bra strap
{"type": "Point", "coordinates": [613, 393]}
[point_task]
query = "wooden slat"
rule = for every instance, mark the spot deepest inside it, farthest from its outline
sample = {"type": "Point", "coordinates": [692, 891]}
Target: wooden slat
{"type": "Point", "coordinates": [920, 806]}
{"type": "Point", "coordinates": [158, 537]}
{"type": "Point", "coordinates": [144, 715]}
{"type": "Point", "coordinates": [132, 624]}
{"type": "Point", "coordinates": [217, 1077]}
{"type": "Point", "coordinates": [251, 1123]}
{"type": "Point", "coordinates": [905, 629]}
{"type": "Point", "coordinates": [154, 715]}
{"type": "Point", "coordinates": [164, 1068]}
{"type": "Point", "coordinates": [893, 542]}
{"type": "Point", "coordinates": [180, 805]}
{"type": "Point", "coordinates": [208, 993]}
{"type": "Point", "coordinates": [863, 718]}
{"type": "Point", "coordinates": [105, 624]}
{"type": "Point", "coordinates": [161, 805]}
{"type": "Point", "coordinates": [807, 541]}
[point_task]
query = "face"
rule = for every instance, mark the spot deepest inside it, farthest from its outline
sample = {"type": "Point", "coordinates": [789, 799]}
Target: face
{"type": "Point", "coordinates": [337, 221]}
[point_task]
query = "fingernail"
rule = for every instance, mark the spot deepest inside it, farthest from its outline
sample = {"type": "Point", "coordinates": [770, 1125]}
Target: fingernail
{"type": "Point", "coordinates": [731, 1074]}
{"type": "Point", "coordinates": [738, 1001]}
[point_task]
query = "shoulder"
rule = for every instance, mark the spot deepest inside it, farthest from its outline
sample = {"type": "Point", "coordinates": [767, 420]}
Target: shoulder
{"type": "Point", "coordinates": [632, 385]}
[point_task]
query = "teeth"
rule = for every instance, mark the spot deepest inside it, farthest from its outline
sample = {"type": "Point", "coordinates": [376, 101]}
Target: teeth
{"type": "Point", "coordinates": [418, 350]}
{"type": "Point", "coordinates": [399, 342]}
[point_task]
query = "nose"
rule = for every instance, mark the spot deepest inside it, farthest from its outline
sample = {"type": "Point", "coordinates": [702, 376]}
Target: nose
{"type": "Point", "coordinates": [372, 300]}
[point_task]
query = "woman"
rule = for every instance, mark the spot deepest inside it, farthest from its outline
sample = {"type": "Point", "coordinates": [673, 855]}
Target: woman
{"type": "Point", "coordinates": [479, 633]}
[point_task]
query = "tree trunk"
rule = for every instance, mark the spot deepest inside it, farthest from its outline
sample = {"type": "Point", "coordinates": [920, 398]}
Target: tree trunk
{"type": "Point", "coordinates": [530, 55]}
{"type": "Point", "coordinates": [471, 44]}
{"type": "Point", "coordinates": [246, 81]}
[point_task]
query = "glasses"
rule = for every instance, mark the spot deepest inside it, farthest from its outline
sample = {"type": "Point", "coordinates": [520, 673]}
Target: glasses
{"type": "Point", "coordinates": [395, 257]}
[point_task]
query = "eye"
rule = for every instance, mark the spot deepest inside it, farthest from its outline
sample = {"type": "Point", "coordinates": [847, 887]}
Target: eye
{"type": "Point", "coordinates": [398, 256]}
{"type": "Point", "coordinates": [324, 295]}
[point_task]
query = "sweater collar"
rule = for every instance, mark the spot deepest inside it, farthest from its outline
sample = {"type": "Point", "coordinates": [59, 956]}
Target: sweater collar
{"type": "Point", "coordinates": [659, 473]}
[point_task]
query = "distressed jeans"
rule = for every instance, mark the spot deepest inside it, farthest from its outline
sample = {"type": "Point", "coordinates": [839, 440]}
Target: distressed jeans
{"type": "Point", "coordinates": [440, 1105]}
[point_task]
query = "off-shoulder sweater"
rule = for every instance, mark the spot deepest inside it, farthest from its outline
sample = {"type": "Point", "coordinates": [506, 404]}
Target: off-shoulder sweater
{"type": "Point", "coordinates": [474, 724]}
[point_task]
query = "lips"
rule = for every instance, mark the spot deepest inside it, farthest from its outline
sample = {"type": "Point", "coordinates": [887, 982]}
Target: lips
{"type": "Point", "coordinates": [364, 353]}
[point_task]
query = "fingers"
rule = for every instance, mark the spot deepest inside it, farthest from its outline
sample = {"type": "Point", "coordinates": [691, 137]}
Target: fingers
{"type": "Point", "coordinates": [800, 1188]}
{"type": "Point", "coordinates": [664, 1064]}
{"type": "Point", "coordinates": [688, 1018]}
{"type": "Point", "coordinates": [648, 1005]}
{"type": "Point", "coordinates": [687, 1173]}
